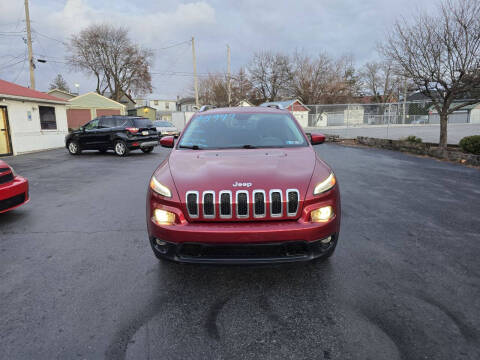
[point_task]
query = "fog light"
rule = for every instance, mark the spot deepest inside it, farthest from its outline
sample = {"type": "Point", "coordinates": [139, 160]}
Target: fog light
{"type": "Point", "coordinates": [322, 214]}
{"type": "Point", "coordinates": [163, 217]}
{"type": "Point", "coordinates": [161, 246]}
{"type": "Point", "coordinates": [326, 240]}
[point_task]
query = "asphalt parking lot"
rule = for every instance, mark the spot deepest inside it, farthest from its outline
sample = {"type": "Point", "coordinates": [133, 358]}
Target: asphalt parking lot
{"type": "Point", "coordinates": [78, 278]}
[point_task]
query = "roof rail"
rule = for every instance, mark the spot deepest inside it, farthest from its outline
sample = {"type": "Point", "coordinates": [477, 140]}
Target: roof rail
{"type": "Point", "coordinates": [206, 107]}
{"type": "Point", "coordinates": [275, 106]}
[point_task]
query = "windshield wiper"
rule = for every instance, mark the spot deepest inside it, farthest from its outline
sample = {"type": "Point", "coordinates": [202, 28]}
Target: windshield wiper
{"type": "Point", "coordinates": [248, 146]}
{"type": "Point", "coordinates": [193, 147]}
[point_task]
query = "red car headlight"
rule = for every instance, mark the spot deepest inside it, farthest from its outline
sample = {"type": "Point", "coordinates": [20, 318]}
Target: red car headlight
{"type": "Point", "coordinates": [159, 188]}
{"type": "Point", "coordinates": [325, 185]}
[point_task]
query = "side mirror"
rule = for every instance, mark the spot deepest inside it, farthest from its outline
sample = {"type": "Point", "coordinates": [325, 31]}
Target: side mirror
{"type": "Point", "coordinates": [317, 139]}
{"type": "Point", "coordinates": [167, 141]}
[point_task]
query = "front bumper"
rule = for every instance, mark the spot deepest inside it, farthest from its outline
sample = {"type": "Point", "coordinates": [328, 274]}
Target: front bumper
{"type": "Point", "coordinates": [243, 253]}
{"type": "Point", "coordinates": [13, 194]}
{"type": "Point", "coordinates": [243, 242]}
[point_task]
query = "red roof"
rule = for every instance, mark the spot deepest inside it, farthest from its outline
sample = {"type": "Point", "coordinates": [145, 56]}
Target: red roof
{"type": "Point", "coordinates": [8, 88]}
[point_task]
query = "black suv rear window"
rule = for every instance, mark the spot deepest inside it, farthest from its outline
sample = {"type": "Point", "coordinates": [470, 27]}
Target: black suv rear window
{"type": "Point", "coordinates": [142, 123]}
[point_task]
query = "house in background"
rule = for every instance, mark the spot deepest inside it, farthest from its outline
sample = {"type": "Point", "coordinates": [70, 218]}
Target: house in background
{"type": "Point", "coordinates": [30, 120]}
{"type": "Point", "coordinates": [125, 99]}
{"type": "Point", "coordinates": [164, 108]}
{"type": "Point", "coordinates": [338, 114]}
{"type": "Point", "coordinates": [186, 104]}
{"type": "Point", "coordinates": [295, 106]}
{"type": "Point", "coordinates": [244, 103]}
{"type": "Point", "coordinates": [144, 111]}
{"type": "Point", "coordinates": [83, 108]}
{"type": "Point", "coordinates": [61, 94]}
{"type": "Point", "coordinates": [467, 114]}
{"type": "Point", "coordinates": [140, 102]}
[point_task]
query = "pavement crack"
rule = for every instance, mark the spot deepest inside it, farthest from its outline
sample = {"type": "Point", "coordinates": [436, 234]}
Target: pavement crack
{"type": "Point", "coordinates": [211, 323]}
{"type": "Point", "coordinates": [468, 332]}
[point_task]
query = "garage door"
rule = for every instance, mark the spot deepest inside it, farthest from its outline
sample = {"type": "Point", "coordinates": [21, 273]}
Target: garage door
{"type": "Point", "coordinates": [78, 117]}
{"type": "Point", "coordinates": [458, 117]}
{"type": "Point", "coordinates": [106, 112]}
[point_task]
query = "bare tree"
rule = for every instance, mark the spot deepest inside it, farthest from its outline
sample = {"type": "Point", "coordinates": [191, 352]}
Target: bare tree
{"type": "Point", "coordinates": [117, 64]}
{"type": "Point", "coordinates": [380, 81]}
{"type": "Point", "coordinates": [323, 80]}
{"type": "Point", "coordinates": [440, 53]}
{"type": "Point", "coordinates": [270, 74]}
{"type": "Point", "coordinates": [242, 88]}
{"type": "Point", "coordinates": [212, 90]}
{"type": "Point", "coordinates": [59, 83]}
{"type": "Point", "coordinates": [311, 77]}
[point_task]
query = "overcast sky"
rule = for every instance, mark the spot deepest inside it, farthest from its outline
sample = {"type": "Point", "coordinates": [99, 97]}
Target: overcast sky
{"type": "Point", "coordinates": [336, 26]}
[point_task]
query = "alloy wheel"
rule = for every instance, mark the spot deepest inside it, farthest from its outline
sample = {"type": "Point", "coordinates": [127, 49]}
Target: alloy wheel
{"type": "Point", "coordinates": [120, 148]}
{"type": "Point", "coordinates": [73, 147]}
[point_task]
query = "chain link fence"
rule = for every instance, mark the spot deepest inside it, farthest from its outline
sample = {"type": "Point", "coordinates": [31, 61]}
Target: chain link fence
{"type": "Point", "coordinates": [372, 114]}
{"type": "Point", "coordinates": [391, 120]}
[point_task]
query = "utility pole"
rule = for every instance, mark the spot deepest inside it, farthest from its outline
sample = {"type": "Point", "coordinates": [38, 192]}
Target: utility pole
{"type": "Point", "coordinates": [29, 45]}
{"type": "Point", "coordinates": [229, 87]}
{"type": "Point", "coordinates": [195, 79]}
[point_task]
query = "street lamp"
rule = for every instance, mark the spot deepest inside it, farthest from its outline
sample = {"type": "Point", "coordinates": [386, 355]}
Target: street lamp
{"type": "Point", "coordinates": [77, 86]}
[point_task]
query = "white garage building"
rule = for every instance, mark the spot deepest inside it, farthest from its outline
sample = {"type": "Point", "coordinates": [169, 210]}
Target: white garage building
{"type": "Point", "coordinates": [468, 114]}
{"type": "Point", "coordinates": [30, 120]}
{"type": "Point", "coordinates": [295, 106]}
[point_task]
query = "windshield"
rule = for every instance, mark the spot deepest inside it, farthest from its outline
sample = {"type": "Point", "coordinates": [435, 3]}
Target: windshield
{"type": "Point", "coordinates": [233, 130]}
{"type": "Point", "coordinates": [162, 123]}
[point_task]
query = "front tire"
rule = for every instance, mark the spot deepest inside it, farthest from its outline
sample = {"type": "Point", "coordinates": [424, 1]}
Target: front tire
{"type": "Point", "coordinates": [147, 150]}
{"type": "Point", "coordinates": [74, 148]}
{"type": "Point", "coordinates": [120, 148]}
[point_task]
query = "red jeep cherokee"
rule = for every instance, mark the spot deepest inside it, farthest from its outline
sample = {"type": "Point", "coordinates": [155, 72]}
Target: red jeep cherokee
{"type": "Point", "coordinates": [243, 185]}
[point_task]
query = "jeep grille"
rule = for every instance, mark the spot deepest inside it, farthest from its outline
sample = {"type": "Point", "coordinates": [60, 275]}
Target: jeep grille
{"type": "Point", "coordinates": [238, 204]}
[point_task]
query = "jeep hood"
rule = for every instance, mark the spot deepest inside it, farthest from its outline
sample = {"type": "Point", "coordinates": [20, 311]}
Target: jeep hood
{"type": "Point", "coordinates": [265, 169]}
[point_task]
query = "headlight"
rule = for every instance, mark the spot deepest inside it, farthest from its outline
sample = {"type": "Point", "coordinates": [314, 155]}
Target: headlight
{"type": "Point", "coordinates": [322, 214]}
{"type": "Point", "coordinates": [325, 185]}
{"type": "Point", "coordinates": [159, 188]}
{"type": "Point", "coordinates": [163, 217]}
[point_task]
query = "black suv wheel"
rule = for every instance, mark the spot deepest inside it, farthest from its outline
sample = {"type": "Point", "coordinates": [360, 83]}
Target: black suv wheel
{"type": "Point", "coordinates": [74, 148]}
{"type": "Point", "coordinates": [120, 148]}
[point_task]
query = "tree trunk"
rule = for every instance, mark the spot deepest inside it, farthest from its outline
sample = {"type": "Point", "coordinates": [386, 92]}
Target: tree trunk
{"type": "Point", "coordinates": [443, 132]}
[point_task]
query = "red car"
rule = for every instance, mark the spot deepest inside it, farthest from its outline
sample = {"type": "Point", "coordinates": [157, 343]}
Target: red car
{"type": "Point", "coordinates": [13, 188]}
{"type": "Point", "coordinates": [243, 185]}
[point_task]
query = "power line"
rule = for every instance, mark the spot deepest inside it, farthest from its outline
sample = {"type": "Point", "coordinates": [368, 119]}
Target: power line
{"type": "Point", "coordinates": [13, 64]}
{"type": "Point", "coordinates": [174, 45]}
{"type": "Point", "coordinates": [48, 37]}
{"type": "Point", "coordinates": [12, 35]}
{"type": "Point", "coordinates": [22, 69]}
{"type": "Point", "coordinates": [13, 32]}
{"type": "Point", "coordinates": [12, 59]}
{"type": "Point", "coordinates": [48, 61]}
{"type": "Point", "coordinates": [177, 74]}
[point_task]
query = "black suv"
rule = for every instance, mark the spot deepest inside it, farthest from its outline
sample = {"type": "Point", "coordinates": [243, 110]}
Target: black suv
{"type": "Point", "coordinates": [118, 133]}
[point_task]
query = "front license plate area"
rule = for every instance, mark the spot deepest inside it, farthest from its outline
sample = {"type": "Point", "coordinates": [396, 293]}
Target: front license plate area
{"type": "Point", "coordinates": [144, 132]}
